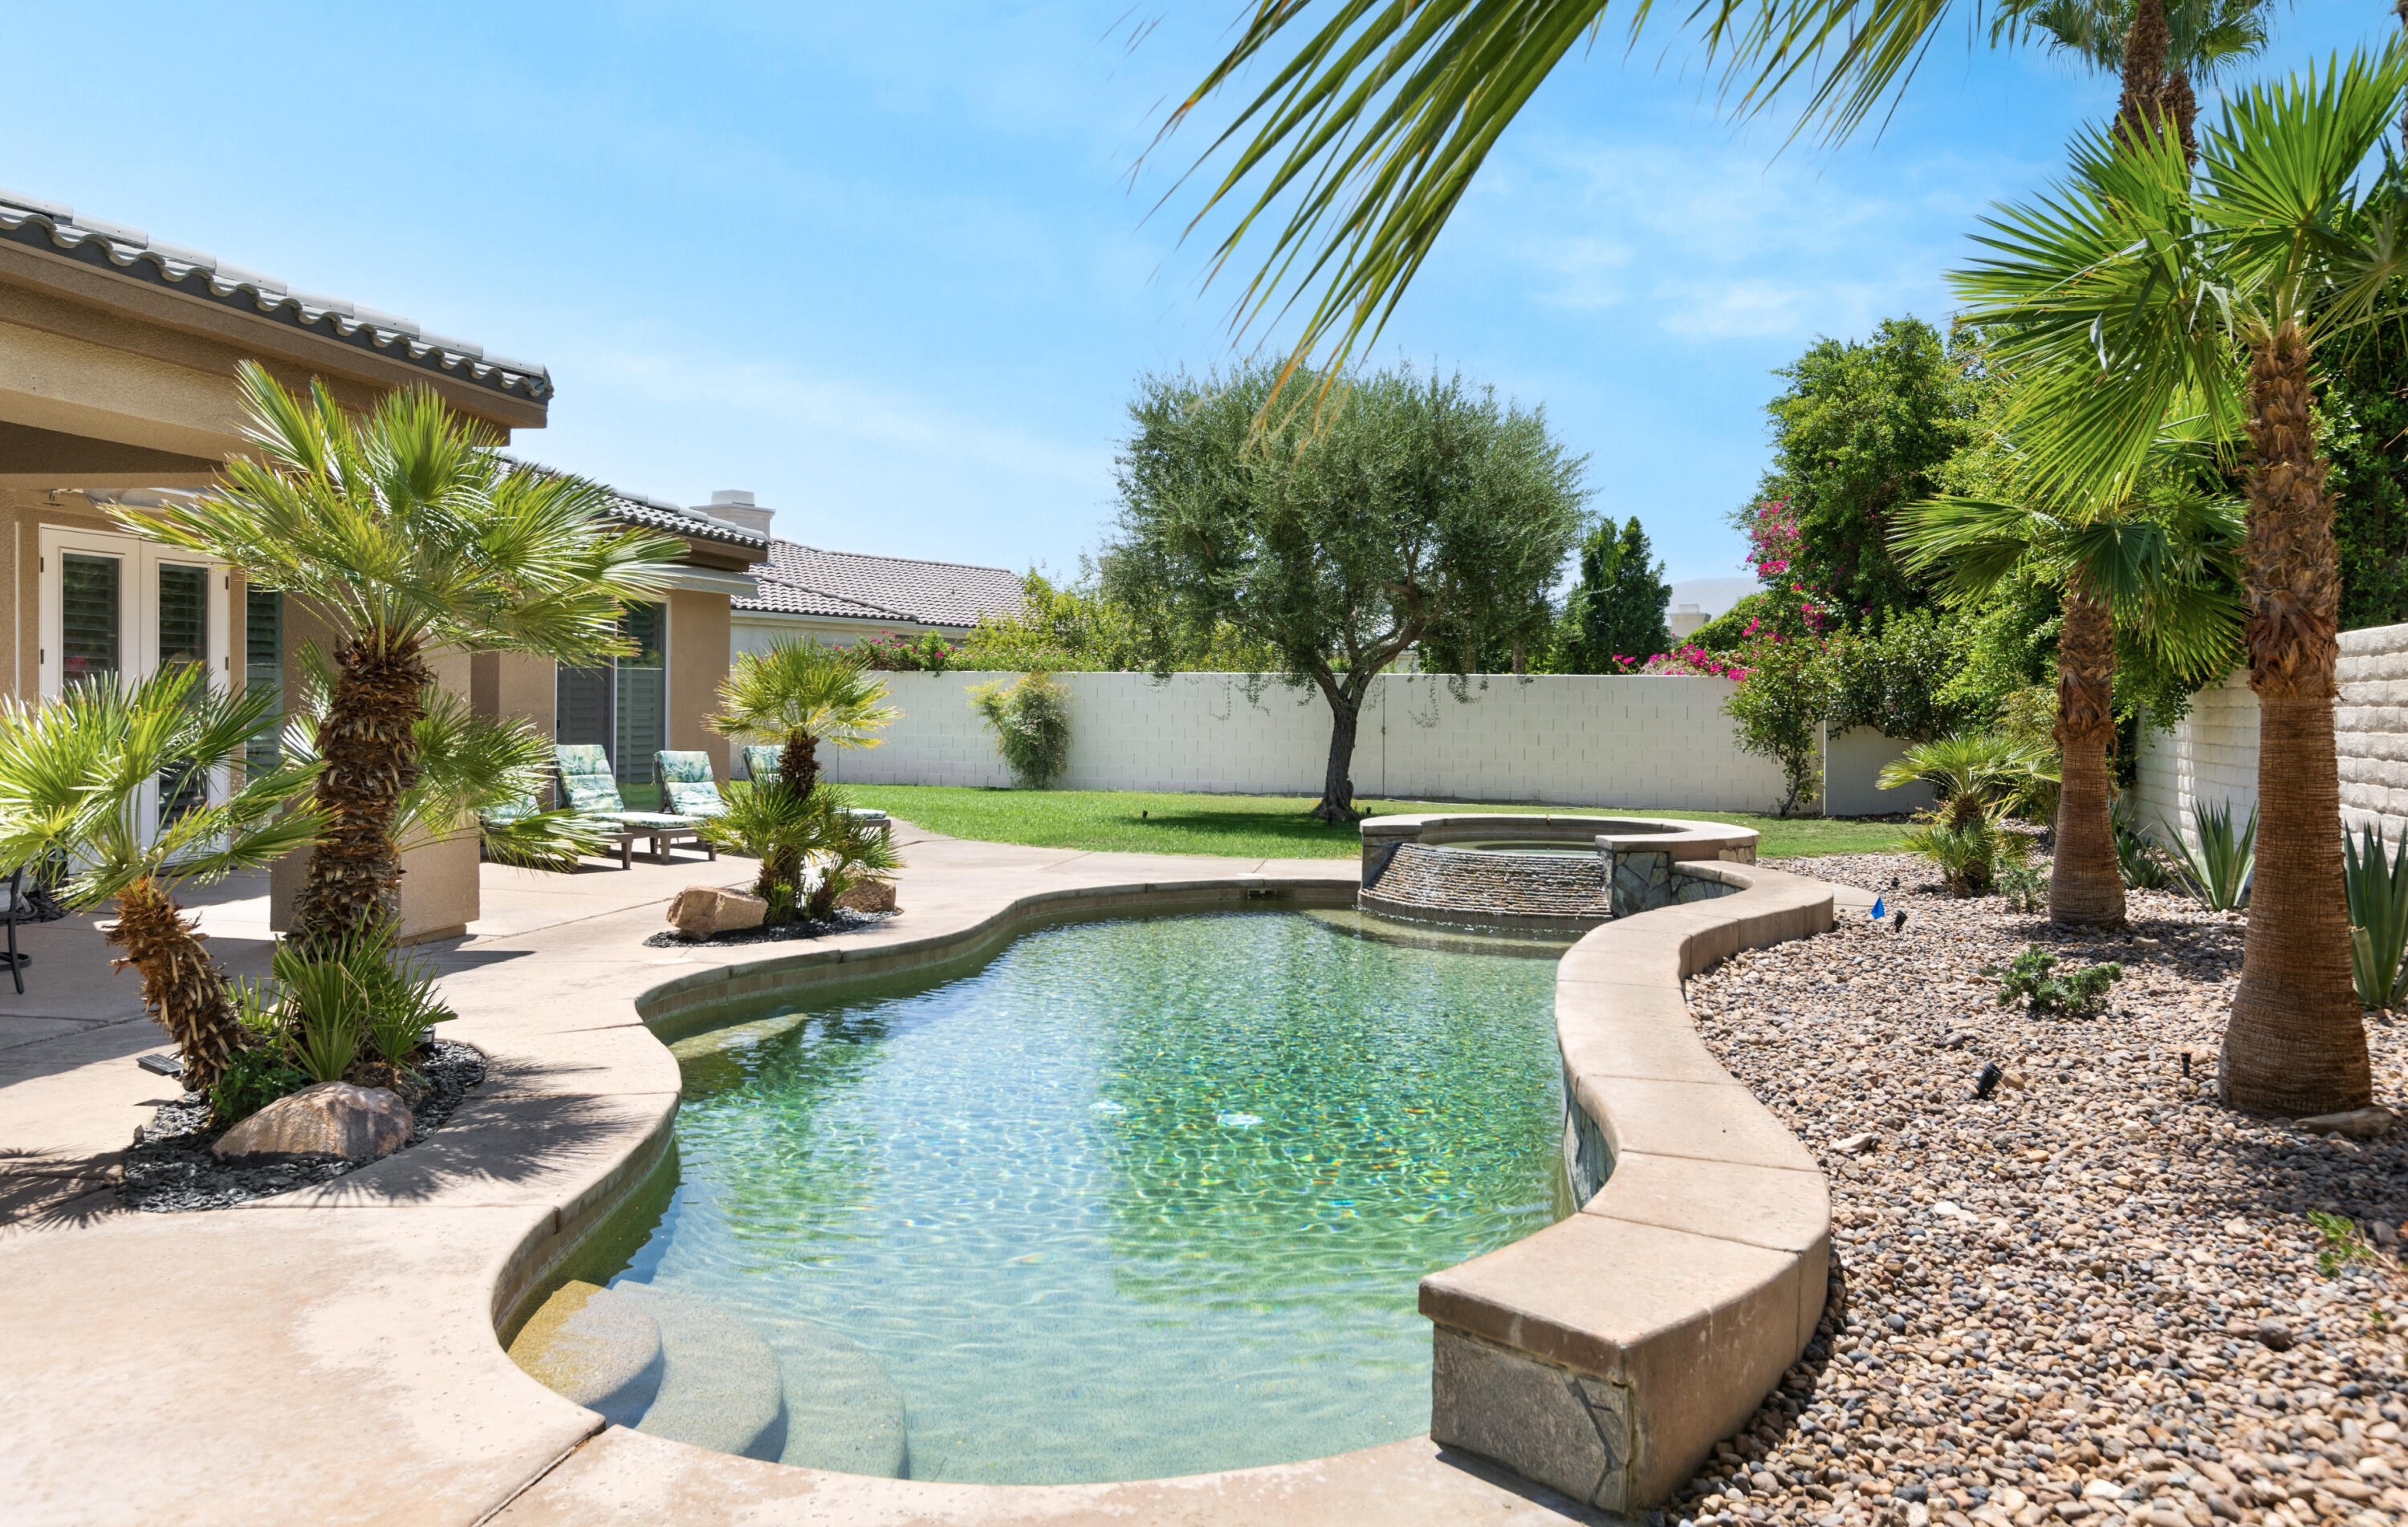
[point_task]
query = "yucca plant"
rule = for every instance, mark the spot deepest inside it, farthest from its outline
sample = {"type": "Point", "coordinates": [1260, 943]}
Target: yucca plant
{"type": "Point", "coordinates": [73, 773]}
{"type": "Point", "coordinates": [2377, 883]}
{"type": "Point", "coordinates": [2219, 871]}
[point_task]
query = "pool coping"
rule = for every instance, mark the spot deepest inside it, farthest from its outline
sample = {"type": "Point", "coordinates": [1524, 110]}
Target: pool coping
{"type": "Point", "coordinates": [379, 1297]}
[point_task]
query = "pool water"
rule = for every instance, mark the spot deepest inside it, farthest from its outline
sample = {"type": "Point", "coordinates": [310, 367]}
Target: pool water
{"type": "Point", "coordinates": [1136, 1198]}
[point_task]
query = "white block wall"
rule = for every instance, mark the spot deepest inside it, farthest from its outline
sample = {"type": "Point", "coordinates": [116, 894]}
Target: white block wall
{"type": "Point", "coordinates": [2213, 754]}
{"type": "Point", "coordinates": [2371, 729]}
{"type": "Point", "coordinates": [1588, 740]}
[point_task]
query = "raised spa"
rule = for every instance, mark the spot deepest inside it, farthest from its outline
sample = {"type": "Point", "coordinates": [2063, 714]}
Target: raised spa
{"type": "Point", "coordinates": [1140, 1198]}
{"type": "Point", "coordinates": [1550, 875]}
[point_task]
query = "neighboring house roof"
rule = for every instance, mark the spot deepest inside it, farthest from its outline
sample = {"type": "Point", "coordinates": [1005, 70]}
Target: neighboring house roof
{"type": "Point", "coordinates": [806, 580]}
{"type": "Point", "coordinates": [130, 252]}
{"type": "Point", "coordinates": [658, 514]}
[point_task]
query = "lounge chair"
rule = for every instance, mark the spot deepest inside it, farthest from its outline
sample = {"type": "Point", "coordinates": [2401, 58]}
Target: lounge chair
{"type": "Point", "coordinates": [587, 783]}
{"type": "Point", "coordinates": [687, 787]}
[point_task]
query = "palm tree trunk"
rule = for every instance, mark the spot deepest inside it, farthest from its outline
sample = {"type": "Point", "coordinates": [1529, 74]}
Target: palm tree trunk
{"type": "Point", "coordinates": [2295, 1043]}
{"type": "Point", "coordinates": [184, 989]}
{"type": "Point", "coordinates": [371, 758]}
{"type": "Point", "coordinates": [2086, 885]}
{"type": "Point", "coordinates": [798, 766]}
{"type": "Point", "coordinates": [2145, 46]}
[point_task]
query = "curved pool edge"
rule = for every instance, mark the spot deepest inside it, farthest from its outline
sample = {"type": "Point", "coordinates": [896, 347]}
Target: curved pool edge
{"type": "Point", "coordinates": [1606, 1355]}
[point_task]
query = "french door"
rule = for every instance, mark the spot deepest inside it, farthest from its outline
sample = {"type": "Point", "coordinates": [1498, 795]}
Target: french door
{"type": "Point", "coordinates": [622, 703]}
{"type": "Point", "coordinates": [112, 605]}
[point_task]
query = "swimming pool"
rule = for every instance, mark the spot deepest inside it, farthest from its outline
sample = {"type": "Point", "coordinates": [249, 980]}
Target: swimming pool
{"type": "Point", "coordinates": [1136, 1197]}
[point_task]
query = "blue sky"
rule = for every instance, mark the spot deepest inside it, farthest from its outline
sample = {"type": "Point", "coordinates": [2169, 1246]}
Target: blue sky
{"type": "Point", "coordinates": [885, 266]}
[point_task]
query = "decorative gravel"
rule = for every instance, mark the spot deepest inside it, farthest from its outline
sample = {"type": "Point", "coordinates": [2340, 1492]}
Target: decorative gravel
{"type": "Point", "coordinates": [2095, 1298]}
{"type": "Point", "coordinates": [844, 920]}
{"type": "Point", "coordinates": [170, 1168]}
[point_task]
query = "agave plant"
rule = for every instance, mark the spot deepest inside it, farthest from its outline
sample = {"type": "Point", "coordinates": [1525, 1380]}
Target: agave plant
{"type": "Point", "coordinates": [2138, 855]}
{"type": "Point", "coordinates": [2219, 871]}
{"type": "Point", "coordinates": [73, 773]}
{"type": "Point", "coordinates": [2377, 883]}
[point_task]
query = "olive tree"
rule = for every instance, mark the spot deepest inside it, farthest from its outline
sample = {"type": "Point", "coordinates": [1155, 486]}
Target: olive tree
{"type": "Point", "coordinates": [1337, 529]}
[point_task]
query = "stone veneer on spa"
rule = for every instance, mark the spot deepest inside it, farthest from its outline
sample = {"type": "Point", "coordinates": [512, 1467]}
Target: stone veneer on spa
{"type": "Point", "coordinates": [1446, 867]}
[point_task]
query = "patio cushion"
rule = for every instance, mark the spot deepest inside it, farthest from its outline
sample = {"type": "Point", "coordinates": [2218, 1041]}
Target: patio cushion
{"type": "Point", "coordinates": [686, 784]}
{"type": "Point", "coordinates": [582, 758]}
{"type": "Point", "coordinates": [593, 794]}
{"type": "Point", "coordinates": [651, 820]}
{"type": "Point", "coordinates": [761, 764]}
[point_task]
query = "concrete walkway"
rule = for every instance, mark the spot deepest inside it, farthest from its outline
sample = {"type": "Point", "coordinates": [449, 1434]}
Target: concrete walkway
{"type": "Point", "coordinates": [330, 1355]}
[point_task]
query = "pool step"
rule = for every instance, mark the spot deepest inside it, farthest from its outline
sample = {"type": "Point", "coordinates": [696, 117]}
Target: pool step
{"type": "Point", "coordinates": [842, 1412]}
{"type": "Point", "coordinates": [595, 1346]}
{"type": "Point", "coordinates": [720, 1384]}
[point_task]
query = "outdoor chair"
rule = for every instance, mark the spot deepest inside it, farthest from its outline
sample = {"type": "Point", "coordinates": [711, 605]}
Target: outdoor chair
{"type": "Point", "coordinates": [18, 908]}
{"type": "Point", "coordinates": [587, 783]}
{"type": "Point", "coordinates": [687, 787]}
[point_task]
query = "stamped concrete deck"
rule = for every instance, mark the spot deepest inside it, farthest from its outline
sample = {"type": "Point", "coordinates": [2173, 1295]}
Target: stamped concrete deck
{"type": "Point", "coordinates": [330, 1355]}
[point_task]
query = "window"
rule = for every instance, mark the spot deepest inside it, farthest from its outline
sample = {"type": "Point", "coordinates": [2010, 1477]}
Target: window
{"type": "Point", "coordinates": [622, 703]}
{"type": "Point", "coordinates": [90, 619]}
{"type": "Point", "coordinates": [263, 667]}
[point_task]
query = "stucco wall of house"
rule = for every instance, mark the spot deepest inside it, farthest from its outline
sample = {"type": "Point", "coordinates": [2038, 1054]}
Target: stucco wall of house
{"type": "Point", "coordinates": [698, 653]}
{"type": "Point", "coordinates": [1572, 740]}
{"type": "Point", "coordinates": [2212, 754]}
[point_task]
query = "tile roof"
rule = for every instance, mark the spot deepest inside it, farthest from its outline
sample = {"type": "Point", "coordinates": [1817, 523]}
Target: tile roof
{"type": "Point", "coordinates": [806, 580]}
{"type": "Point", "coordinates": [130, 252]}
{"type": "Point", "coordinates": [659, 514]}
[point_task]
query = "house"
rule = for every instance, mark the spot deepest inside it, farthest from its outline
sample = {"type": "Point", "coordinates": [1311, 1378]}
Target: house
{"type": "Point", "coordinates": [117, 385]}
{"type": "Point", "coordinates": [843, 597]}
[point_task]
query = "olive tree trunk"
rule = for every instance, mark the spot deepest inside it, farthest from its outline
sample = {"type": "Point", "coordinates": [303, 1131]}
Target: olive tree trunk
{"type": "Point", "coordinates": [1345, 698]}
{"type": "Point", "coordinates": [2086, 884]}
{"type": "Point", "coordinates": [2295, 1042]}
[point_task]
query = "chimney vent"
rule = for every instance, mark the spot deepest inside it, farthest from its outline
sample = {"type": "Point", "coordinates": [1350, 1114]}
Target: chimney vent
{"type": "Point", "coordinates": [736, 506]}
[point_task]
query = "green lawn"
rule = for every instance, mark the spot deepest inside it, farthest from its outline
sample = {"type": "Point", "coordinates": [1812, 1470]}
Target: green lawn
{"type": "Point", "coordinates": [1257, 826]}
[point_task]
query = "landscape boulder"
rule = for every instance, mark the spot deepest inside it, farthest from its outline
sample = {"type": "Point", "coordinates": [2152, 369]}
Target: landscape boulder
{"type": "Point", "coordinates": [699, 911]}
{"type": "Point", "coordinates": [331, 1118]}
{"type": "Point", "coordinates": [869, 896]}
{"type": "Point", "coordinates": [2358, 1124]}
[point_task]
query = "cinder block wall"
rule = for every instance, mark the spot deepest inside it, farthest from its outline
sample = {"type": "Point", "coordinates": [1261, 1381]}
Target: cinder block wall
{"type": "Point", "coordinates": [2212, 754]}
{"type": "Point", "coordinates": [1556, 740]}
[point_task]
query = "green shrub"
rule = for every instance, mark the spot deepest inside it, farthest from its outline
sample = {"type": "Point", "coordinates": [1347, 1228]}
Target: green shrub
{"type": "Point", "coordinates": [2137, 854]}
{"type": "Point", "coordinates": [252, 1080]}
{"type": "Point", "coordinates": [1030, 719]}
{"type": "Point", "coordinates": [2023, 885]}
{"type": "Point", "coordinates": [346, 998]}
{"type": "Point", "coordinates": [2031, 976]}
{"type": "Point", "coordinates": [1971, 852]}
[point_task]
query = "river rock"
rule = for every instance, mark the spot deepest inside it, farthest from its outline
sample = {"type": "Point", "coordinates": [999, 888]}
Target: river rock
{"type": "Point", "coordinates": [2358, 1124]}
{"type": "Point", "coordinates": [331, 1118]}
{"type": "Point", "coordinates": [700, 911]}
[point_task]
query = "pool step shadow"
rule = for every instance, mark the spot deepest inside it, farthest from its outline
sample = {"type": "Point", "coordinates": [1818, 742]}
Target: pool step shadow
{"type": "Point", "coordinates": [816, 1398]}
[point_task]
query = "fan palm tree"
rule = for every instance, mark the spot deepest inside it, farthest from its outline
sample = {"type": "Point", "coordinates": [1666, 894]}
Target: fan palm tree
{"type": "Point", "coordinates": [410, 533]}
{"type": "Point", "coordinates": [2133, 285]}
{"type": "Point", "coordinates": [74, 772]}
{"type": "Point", "coordinates": [801, 693]}
{"type": "Point", "coordinates": [2202, 37]}
{"type": "Point", "coordinates": [2167, 572]}
{"type": "Point", "coordinates": [1360, 146]}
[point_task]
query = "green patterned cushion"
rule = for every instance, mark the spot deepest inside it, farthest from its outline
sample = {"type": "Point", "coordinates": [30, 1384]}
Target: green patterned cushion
{"type": "Point", "coordinates": [761, 762]}
{"type": "Point", "coordinates": [593, 794]}
{"type": "Point", "coordinates": [648, 819]}
{"type": "Point", "coordinates": [683, 769]}
{"type": "Point", "coordinates": [582, 758]}
{"type": "Point", "coordinates": [700, 800]}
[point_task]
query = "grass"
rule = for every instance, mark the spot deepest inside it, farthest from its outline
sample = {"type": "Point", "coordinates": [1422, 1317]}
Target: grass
{"type": "Point", "coordinates": [1263, 826]}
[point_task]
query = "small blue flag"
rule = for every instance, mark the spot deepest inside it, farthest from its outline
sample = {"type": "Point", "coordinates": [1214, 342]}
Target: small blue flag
{"type": "Point", "coordinates": [1877, 908]}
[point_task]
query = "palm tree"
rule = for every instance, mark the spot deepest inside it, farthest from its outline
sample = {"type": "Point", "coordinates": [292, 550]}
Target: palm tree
{"type": "Point", "coordinates": [802, 694]}
{"type": "Point", "coordinates": [2165, 571]}
{"type": "Point", "coordinates": [1363, 142]}
{"type": "Point", "coordinates": [2131, 288]}
{"type": "Point", "coordinates": [409, 532]}
{"type": "Point", "coordinates": [1972, 774]}
{"type": "Point", "coordinates": [2199, 39]}
{"type": "Point", "coordinates": [74, 773]}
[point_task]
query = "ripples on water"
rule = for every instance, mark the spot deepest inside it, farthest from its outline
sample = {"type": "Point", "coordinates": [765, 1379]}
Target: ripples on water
{"type": "Point", "coordinates": [1136, 1198]}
